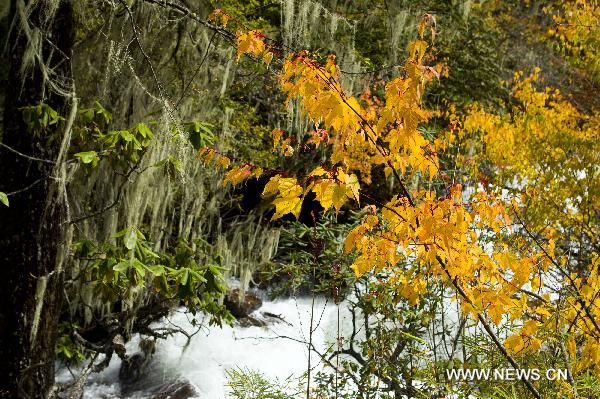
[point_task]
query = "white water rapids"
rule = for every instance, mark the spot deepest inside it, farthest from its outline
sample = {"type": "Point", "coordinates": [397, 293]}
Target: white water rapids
{"type": "Point", "coordinates": [273, 350]}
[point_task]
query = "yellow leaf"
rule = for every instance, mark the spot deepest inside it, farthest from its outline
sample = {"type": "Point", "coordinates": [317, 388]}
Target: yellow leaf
{"type": "Point", "coordinates": [237, 175]}
{"type": "Point", "coordinates": [267, 57]}
{"type": "Point", "coordinates": [530, 327]}
{"type": "Point", "coordinates": [288, 151]}
{"type": "Point", "coordinates": [353, 185]}
{"type": "Point", "coordinates": [319, 171]}
{"type": "Point", "coordinates": [223, 161]}
{"type": "Point", "coordinates": [571, 346]}
{"type": "Point", "coordinates": [543, 312]}
{"type": "Point", "coordinates": [351, 238]}
{"type": "Point", "coordinates": [323, 192]}
{"type": "Point", "coordinates": [536, 283]}
{"type": "Point", "coordinates": [495, 311]}
{"type": "Point", "coordinates": [284, 205]}
{"type": "Point", "coordinates": [361, 265]}
{"type": "Point", "coordinates": [514, 343]}
{"type": "Point", "coordinates": [250, 42]}
{"type": "Point", "coordinates": [257, 172]}
{"type": "Point", "coordinates": [329, 193]}
{"type": "Point", "coordinates": [288, 195]}
{"type": "Point", "coordinates": [276, 134]}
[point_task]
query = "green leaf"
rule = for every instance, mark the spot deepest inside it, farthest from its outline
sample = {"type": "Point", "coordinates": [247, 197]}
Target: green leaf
{"type": "Point", "coordinates": [121, 267]}
{"type": "Point", "coordinates": [44, 119]}
{"type": "Point", "coordinates": [126, 135]}
{"type": "Point", "coordinates": [144, 130]}
{"type": "Point", "coordinates": [184, 276]}
{"type": "Point", "coordinates": [106, 115]}
{"type": "Point", "coordinates": [130, 239]}
{"type": "Point", "coordinates": [121, 233]}
{"type": "Point", "coordinates": [200, 134]}
{"type": "Point", "coordinates": [54, 118]}
{"type": "Point", "coordinates": [88, 114]}
{"type": "Point", "coordinates": [196, 277]}
{"type": "Point", "coordinates": [139, 268]}
{"type": "Point", "coordinates": [88, 157]}
{"type": "Point", "coordinates": [4, 198]}
{"type": "Point", "coordinates": [66, 352]}
{"type": "Point", "coordinates": [156, 270]}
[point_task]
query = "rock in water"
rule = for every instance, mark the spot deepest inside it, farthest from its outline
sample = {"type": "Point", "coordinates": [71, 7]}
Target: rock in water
{"type": "Point", "coordinates": [132, 372]}
{"type": "Point", "coordinates": [132, 368]}
{"type": "Point", "coordinates": [241, 307]}
{"type": "Point", "coordinates": [250, 321]}
{"type": "Point", "coordinates": [177, 389]}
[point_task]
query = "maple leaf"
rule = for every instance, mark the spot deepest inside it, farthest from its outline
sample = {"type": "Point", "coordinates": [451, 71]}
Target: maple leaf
{"type": "Point", "coordinates": [357, 234]}
{"type": "Point", "coordinates": [329, 194]}
{"type": "Point", "coordinates": [352, 184]}
{"type": "Point", "coordinates": [219, 13]}
{"type": "Point", "coordinates": [284, 205]}
{"type": "Point", "coordinates": [250, 42]}
{"type": "Point", "coordinates": [288, 195]}
{"type": "Point", "coordinates": [335, 192]}
{"type": "Point", "coordinates": [496, 311]}
{"type": "Point", "coordinates": [237, 175]}
{"type": "Point", "coordinates": [317, 137]}
{"type": "Point", "coordinates": [223, 161]}
{"type": "Point", "coordinates": [515, 343]}
{"type": "Point", "coordinates": [288, 151]}
{"type": "Point", "coordinates": [319, 171]}
{"type": "Point", "coordinates": [443, 236]}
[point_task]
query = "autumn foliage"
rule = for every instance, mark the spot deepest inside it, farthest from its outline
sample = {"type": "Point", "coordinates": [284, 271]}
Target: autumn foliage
{"type": "Point", "coordinates": [499, 245]}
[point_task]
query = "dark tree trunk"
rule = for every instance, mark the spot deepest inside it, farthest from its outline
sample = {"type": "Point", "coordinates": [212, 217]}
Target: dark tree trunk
{"type": "Point", "coordinates": [32, 228]}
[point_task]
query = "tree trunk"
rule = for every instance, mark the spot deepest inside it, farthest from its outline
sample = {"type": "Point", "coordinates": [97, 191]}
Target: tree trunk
{"type": "Point", "coordinates": [32, 228]}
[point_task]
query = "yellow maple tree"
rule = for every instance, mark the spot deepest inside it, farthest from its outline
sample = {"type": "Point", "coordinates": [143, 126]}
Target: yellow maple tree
{"type": "Point", "coordinates": [458, 238]}
{"type": "Point", "coordinates": [545, 151]}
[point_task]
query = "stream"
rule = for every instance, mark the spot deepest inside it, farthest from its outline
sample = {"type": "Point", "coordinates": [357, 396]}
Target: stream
{"type": "Point", "coordinates": [273, 350]}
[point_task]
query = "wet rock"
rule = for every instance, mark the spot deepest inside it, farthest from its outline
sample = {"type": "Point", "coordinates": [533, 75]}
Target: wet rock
{"type": "Point", "coordinates": [177, 389]}
{"type": "Point", "coordinates": [241, 307]}
{"type": "Point", "coordinates": [250, 321]}
{"type": "Point", "coordinates": [276, 317]}
{"type": "Point", "coordinates": [132, 368]}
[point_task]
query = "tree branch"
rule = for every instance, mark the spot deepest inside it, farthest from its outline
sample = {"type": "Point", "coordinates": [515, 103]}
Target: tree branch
{"type": "Point", "coordinates": [26, 156]}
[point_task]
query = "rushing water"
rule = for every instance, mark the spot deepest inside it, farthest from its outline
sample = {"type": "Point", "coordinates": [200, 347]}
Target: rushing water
{"type": "Point", "coordinates": [273, 350]}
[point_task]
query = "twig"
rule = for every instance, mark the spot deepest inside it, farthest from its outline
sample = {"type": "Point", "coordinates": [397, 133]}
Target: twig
{"type": "Point", "coordinates": [27, 156]}
{"type": "Point", "coordinates": [27, 188]}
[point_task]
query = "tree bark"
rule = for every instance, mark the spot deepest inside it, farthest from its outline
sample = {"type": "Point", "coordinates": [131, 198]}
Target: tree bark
{"type": "Point", "coordinates": [32, 228]}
